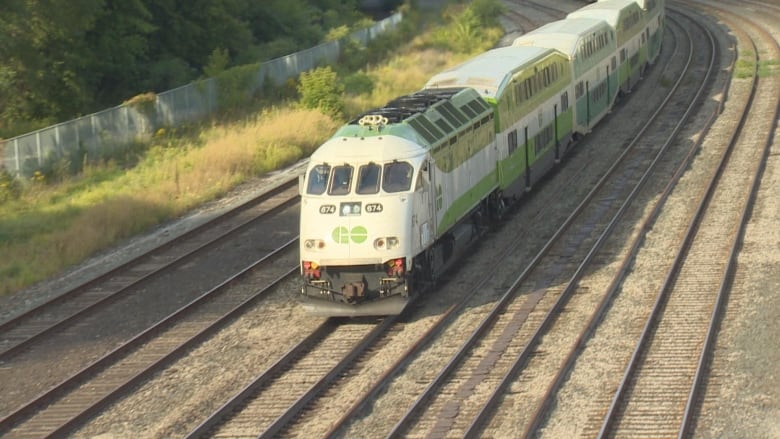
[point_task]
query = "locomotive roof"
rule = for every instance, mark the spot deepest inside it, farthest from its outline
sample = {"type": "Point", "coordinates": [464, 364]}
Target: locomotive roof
{"type": "Point", "coordinates": [425, 117]}
{"type": "Point", "coordinates": [403, 107]}
{"type": "Point", "coordinates": [489, 71]}
{"type": "Point", "coordinates": [562, 34]}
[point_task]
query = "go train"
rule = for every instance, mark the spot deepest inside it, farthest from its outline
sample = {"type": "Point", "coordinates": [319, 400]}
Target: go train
{"type": "Point", "coordinates": [396, 195]}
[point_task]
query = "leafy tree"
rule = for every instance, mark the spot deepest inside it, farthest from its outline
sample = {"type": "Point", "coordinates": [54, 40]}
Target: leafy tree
{"type": "Point", "coordinates": [41, 47]}
{"type": "Point", "coordinates": [218, 61]}
{"type": "Point", "coordinates": [61, 56]}
{"type": "Point", "coordinates": [117, 49]}
{"type": "Point", "coordinates": [64, 58]}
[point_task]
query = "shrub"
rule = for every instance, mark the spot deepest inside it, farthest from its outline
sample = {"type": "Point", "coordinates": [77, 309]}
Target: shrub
{"type": "Point", "coordinates": [358, 83]}
{"type": "Point", "coordinates": [320, 89]}
{"type": "Point", "coordinates": [487, 11]}
{"type": "Point", "coordinates": [234, 85]}
{"type": "Point", "coordinates": [468, 29]}
{"type": "Point", "coordinates": [144, 103]}
{"type": "Point", "coordinates": [10, 188]}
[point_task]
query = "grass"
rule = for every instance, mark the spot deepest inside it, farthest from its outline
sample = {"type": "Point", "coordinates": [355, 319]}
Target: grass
{"type": "Point", "coordinates": [52, 226]}
{"type": "Point", "coordinates": [745, 66]}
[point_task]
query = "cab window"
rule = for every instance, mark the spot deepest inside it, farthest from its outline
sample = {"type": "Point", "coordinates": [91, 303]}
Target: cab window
{"type": "Point", "coordinates": [397, 177]}
{"type": "Point", "coordinates": [341, 181]}
{"type": "Point", "coordinates": [368, 179]}
{"type": "Point", "coordinates": [318, 180]}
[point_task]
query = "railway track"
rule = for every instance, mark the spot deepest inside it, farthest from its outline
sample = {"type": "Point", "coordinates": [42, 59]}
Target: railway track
{"type": "Point", "coordinates": [90, 355]}
{"type": "Point", "coordinates": [442, 414]}
{"type": "Point", "coordinates": [276, 396]}
{"type": "Point", "coordinates": [221, 416]}
{"type": "Point", "coordinates": [517, 12]}
{"type": "Point", "coordinates": [555, 13]}
{"type": "Point", "coordinates": [734, 398]}
{"type": "Point", "coordinates": [630, 311]}
{"type": "Point", "coordinates": [21, 331]}
{"type": "Point", "coordinates": [325, 382]}
{"type": "Point", "coordinates": [86, 392]}
{"type": "Point", "coordinates": [661, 387]}
{"type": "Point", "coordinates": [464, 397]}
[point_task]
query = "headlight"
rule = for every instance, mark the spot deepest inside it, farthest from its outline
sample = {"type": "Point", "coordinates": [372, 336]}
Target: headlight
{"type": "Point", "coordinates": [311, 244]}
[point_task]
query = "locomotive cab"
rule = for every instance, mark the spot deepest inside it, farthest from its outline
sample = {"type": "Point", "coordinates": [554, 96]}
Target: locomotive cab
{"type": "Point", "coordinates": [360, 229]}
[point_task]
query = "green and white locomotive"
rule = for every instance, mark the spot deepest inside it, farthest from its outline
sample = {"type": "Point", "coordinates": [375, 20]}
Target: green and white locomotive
{"type": "Point", "coordinates": [393, 198]}
{"type": "Point", "coordinates": [383, 200]}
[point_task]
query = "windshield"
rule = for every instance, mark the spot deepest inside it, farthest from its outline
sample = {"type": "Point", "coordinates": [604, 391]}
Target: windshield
{"type": "Point", "coordinates": [398, 177]}
{"type": "Point", "coordinates": [368, 179]}
{"type": "Point", "coordinates": [342, 180]}
{"type": "Point", "coordinates": [318, 180]}
{"type": "Point", "coordinates": [338, 180]}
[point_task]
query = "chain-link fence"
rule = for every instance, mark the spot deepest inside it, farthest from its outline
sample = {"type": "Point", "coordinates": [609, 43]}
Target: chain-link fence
{"type": "Point", "coordinates": [98, 134]}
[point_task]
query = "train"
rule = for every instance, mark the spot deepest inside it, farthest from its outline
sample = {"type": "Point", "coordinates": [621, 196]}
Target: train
{"type": "Point", "coordinates": [394, 197]}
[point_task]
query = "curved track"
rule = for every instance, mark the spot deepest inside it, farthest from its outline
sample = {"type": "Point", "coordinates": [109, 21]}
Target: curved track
{"type": "Point", "coordinates": [505, 380]}
{"type": "Point", "coordinates": [642, 155]}
{"type": "Point", "coordinates": [510, 337]}
{"type": "Point", "coordinates": [660, 388]}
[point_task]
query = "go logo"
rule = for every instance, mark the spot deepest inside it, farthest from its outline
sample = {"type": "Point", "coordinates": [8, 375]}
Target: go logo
{"type": "Point", "coordinates": [358, 235]}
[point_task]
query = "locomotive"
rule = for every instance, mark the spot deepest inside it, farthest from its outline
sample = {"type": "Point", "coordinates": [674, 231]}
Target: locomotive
{"type": "Point", "coordinates": [396, 195]}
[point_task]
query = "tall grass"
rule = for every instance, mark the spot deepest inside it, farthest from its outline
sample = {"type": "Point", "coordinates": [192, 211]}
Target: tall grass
{"type": "Point", "coordinates": [51, 227]}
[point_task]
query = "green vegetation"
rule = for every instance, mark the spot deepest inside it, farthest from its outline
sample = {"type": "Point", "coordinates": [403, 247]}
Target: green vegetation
{"type": "Point", "coordinates": [746, 66]}
{"type": "Point", "coordinates": [62, 58]}
{"type": "Point", "coordinates": [320, 90]}
{"type": "Point", "coordinates": [78, 207]}
{"type": "Point", "coordinates": [769, 68]}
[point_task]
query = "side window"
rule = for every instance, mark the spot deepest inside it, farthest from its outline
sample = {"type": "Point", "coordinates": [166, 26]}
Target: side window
{"type": "Point", "coordinates": [368, 179]}
{"type": "Point", "coordinates": [512, 141]}
{"type": "Point", "coordinates": [422, 177]}
{"type": "Point", "coordinates": [397, 177]}
{"type": "Point", "coordinates": [342, 178]}
{"type": "Point", "coordinates": [318, 180]}
{"type": "Point", "coordinates": [565, 101]}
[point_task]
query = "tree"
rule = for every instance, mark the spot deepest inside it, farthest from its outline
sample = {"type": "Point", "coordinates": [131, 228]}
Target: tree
{"type": "Point", "coordinates": [58, 54]}
{"type": "Point", "coordinates": [117, 47]}
{"type": "Point", "coordinates": [63, 58]}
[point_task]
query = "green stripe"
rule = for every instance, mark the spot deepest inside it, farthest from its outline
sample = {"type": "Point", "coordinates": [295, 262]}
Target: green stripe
{"type": "Point", "coordinates": [463, 204]}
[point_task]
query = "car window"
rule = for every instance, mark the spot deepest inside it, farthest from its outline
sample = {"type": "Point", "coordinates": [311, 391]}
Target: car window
{"type": "Point", "coordinates": [318, 180]}
{"type": "Point", "coordinates": [397, 177]}
{"type": "Point", "coordinates": [368, 179]}
{"type": "Point", "coordinates": [341, 181]}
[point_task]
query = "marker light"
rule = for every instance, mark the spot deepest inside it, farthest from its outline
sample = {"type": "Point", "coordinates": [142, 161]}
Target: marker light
{"type": "Point", "coordinates": [310, 270]}
{"type": "Point", "coordinates": [396, 267]}
{"type": "Point", "coordinates": [392, 242]}
{"type": "Point", "coordinates": [387, 243]}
